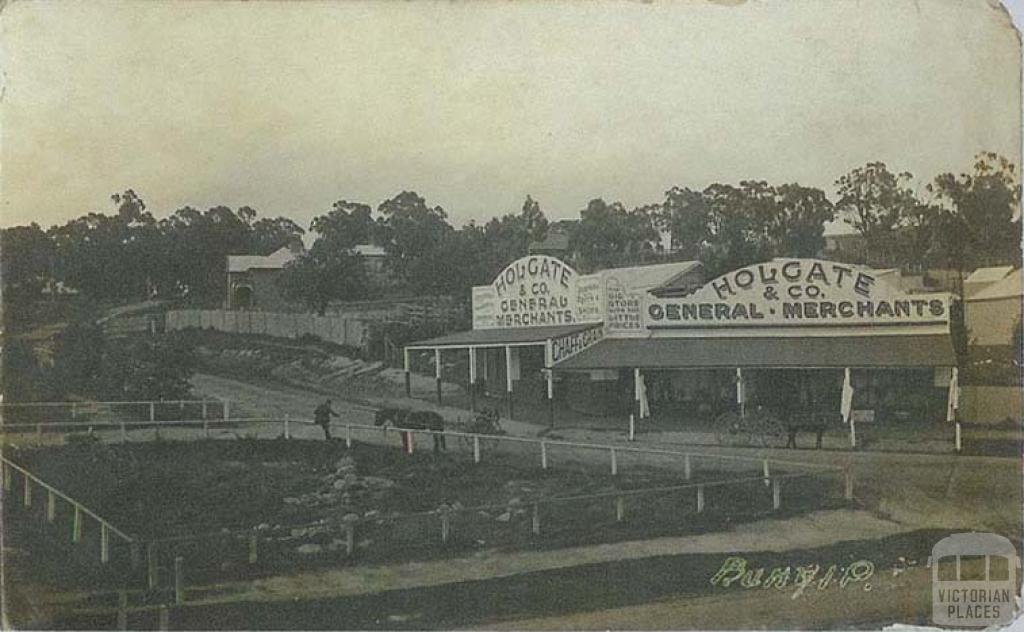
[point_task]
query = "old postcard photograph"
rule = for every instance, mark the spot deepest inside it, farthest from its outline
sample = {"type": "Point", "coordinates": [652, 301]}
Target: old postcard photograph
{"type": "Point", "coordinates": [519, 315]}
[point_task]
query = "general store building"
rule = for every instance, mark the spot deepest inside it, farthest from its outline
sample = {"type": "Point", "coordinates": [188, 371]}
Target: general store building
{"type": "Point", "coordinates": [663, 342]}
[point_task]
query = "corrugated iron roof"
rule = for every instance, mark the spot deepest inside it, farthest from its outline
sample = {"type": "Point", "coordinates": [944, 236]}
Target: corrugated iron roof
{"type": "Point", "coordinates": [1011, 286]}
{"type": "Point", "coordinates": [727, 352]}
{"type": "Point", "coordinates": [651, 276]}
{"type": "Point", "coordinates": [498, 337]}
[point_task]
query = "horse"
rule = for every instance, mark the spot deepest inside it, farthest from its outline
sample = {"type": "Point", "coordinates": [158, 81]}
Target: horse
{"type": "Point", "coordinates": [405, 419]}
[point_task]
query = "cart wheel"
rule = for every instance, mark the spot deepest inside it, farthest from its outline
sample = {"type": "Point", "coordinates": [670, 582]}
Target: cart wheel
{"type": "Point", "coordinates": [729, 430]}
{"type": "Point", "coordinates": [773, 434]}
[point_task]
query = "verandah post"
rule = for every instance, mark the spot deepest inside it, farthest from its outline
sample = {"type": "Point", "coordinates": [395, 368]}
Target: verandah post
{"type": "Point", "coordinates": [549, 361]}
{"type": "Point", "coordinates": [437, 372]}
{"type": "Point", "coordinates": [508, 378]}
{"type": "Point", "coordinates": [408, 377]}
{"type": "Point", "coordinates": [472, 379]}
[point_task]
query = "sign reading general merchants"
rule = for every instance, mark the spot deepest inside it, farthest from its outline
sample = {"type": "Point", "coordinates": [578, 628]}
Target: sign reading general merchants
{"type": "Point", "coordinates": [532, 291]}
{"type": "Point", "coordinates": [796, 293]}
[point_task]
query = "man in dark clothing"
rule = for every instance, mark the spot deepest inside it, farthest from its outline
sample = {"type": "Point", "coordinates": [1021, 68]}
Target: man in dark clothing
{"type": "Point", "coordinates": [322, 417]}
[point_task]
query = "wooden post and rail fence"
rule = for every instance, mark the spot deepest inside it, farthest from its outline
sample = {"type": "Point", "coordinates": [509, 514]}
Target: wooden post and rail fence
{"type": "Point", "coordinates": [767, 470]}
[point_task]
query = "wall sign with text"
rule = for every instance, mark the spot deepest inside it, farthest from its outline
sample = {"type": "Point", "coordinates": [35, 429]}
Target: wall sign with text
{"type": "Point", "coordinates": [796, 293]}
{"type": "Point", "coordinates": [532, 291]}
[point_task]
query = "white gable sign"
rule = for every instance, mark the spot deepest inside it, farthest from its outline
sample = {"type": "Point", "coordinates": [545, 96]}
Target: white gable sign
{"type": "Point", "coordinates": [796, 293]}
{"type": "Point", "coordinates": [532, 291]}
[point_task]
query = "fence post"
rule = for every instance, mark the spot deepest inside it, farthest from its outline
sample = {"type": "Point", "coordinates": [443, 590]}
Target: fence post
{"type": "Point", "coordinates": [227, 410]}
{"type": "Point", "coordinates": [615, 464]}
{"type": "Point", "coordinates": [847, 484]}
{"type": "Point", "coordinates": [8, 477]}
{"type": "Point", "coordinates": [122, 610]}
{"type": "Point", "coordinates": [700, 499]}
{"type": "Point", "coordinates": [179, 580]}
{"type": "Point", "coordinates": [543, 455]}
{"type": "Point", "coordinates": [446, 526]}
{"type": "Point", "coordinates": [152, 411]}
{"type": "Point", "coordinates": [151, 569]}
{"type": "Point", "coordinates": [348, 435]}
{"type": "Point", "coordinates": [620, 508]}
{"type": "Point", "coordinates": [287, 430]}
{"type": "Point", "coordinates": [767, 473]}
{"type": "Point", "coordinates": [204, 409]}
{"type": "Point", "coordinates": [632, 427]}
{"type": "Point", "coordinates": [39, 429]}
{"type": "Point", "coordinates": [28, 491]}
{"type": "Point", "coordinates": [476, 449]}
{"type": "Point", "coordinates": [51, 506]}
{"type": "Point", "coordinates": [535, 523]}
{"type": "Point", "coordinates": [687, 469]}
{"type": "Point", "coordinates": [959, 444]}
{"type": "Point", "coordinates": [165, 618]}
{"type": "Point", "coordinates": [104, 543]}
{"type": "Point", "coordinates": [124, 433]}
{"type": "Point", "coordinates": [776, 494]}
{"type": "Point", "coordinates": [74, 410]}
{"type": "Point", "coordinates": [350, 539]}
{"type": "Point", "coordinates": [76, 526]}
{"type": "Point", "coordinates": [253, 548]}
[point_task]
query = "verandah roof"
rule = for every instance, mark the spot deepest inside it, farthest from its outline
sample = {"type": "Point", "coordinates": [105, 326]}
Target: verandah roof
{"type": "Point", "coordinates": [501, 336]}
{"type": "Point", "coordinates": [892, 351]}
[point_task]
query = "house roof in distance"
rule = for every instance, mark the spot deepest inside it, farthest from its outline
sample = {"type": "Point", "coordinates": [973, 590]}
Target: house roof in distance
{"type": "Point", "coordinates": [280, 258]}
{"type": "Point", "coordinates": [274, 261]}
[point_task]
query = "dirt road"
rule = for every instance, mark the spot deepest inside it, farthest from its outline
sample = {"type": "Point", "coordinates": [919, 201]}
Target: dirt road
{"type": "Point", "coordinates": [915, 490]}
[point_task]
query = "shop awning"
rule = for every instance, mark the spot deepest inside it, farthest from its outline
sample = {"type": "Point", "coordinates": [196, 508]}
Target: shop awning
{"type": "Point", "coordinates": [500, 337]}
{"type": "Point", "coordinates": [894, 351]}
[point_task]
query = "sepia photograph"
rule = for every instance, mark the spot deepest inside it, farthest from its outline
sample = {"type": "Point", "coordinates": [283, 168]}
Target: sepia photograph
{"type": "Point", "coordinates": [511, 315]}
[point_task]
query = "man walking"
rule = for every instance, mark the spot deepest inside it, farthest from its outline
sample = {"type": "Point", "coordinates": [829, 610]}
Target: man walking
{"type": "Point", "coordinates": [322, 417]}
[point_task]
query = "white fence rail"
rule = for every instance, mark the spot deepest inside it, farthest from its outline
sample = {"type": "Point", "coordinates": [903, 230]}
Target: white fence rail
{"type": "Point", "coordinates": [336, 329]}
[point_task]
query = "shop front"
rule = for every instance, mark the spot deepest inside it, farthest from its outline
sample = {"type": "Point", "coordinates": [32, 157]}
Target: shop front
{"type": "Point", "coordinates": [800, 338]}
{"type": "Point", "coordinates": [539, 312]}
{"type": "Point", "coordinates": [790, 336]}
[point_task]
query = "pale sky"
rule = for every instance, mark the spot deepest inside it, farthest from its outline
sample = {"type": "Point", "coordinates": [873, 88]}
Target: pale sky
{"type": "Point", "coordinates": [287, 107]}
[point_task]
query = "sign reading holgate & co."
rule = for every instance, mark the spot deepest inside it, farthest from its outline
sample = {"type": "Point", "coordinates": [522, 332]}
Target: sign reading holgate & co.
{"type": "Point", "coordinates": [796, 292]}
{"type": "Point", "coordinates": [531, 291]}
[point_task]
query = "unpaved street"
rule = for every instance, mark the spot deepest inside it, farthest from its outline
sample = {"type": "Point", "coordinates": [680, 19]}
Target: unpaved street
{"type": "Point", "coordinates": [915, 490]}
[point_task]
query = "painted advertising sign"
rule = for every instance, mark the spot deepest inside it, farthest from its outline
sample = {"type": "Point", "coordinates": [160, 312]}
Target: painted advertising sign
{"type": "Point", "coordinates": [624, 308]}
{"type": "Point", "coordinates": [589, 299]}
{"type": "Point", "coordinates": [532, 291]}
{"type": "Point", "coordinates": [485, 305]}
{"type": "Point", "coordinates": [796, 293]}
{"type": "Point", "coordinates": [569, 345]}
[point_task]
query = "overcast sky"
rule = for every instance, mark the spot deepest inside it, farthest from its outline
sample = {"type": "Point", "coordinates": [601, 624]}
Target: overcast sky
{"type": "Point", "coordinates": [288, 107]}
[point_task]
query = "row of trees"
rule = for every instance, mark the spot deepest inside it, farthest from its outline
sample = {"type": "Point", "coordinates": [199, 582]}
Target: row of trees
{"type": "Point", "coordinates": [954, 221]}
{"type": "Point", "coordinates": [130, 255]}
